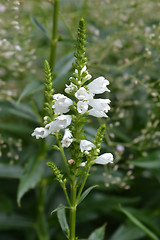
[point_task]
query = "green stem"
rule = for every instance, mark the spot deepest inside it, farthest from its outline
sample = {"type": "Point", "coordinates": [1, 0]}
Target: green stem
{"type": "Point", "coordinates": [83, 182]}
{"type": "Point", "coordinates": [73, 210]}
{"type": "Point", "coordinates": [41, 226]}
{"type": "Point", "coordinates": [54, 38]}
{"type": "Point", "coordinates": [63, 157]}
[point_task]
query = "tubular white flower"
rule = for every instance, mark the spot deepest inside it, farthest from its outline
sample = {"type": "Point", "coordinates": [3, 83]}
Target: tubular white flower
{"type": "Point", "coordinates": [61, 122]}
{"type": "Point", "coordinates": [62, 104]}
{"type": "Point", "coordinates": [100, 104]}
{"type": "Point", "coordinates": [67, 138]}
{"type": "Point", "coordinates": [104, 159]}
{"type": "Point", "coordinates": [82, 106]}
{"type": "Point", "coordinates": [98, 85]}
{"type": "Point", "coordinates": [58, 96]}
{"type": "Point", "coordinates": [86, 145]}
{"type": "Point", "coordinates": [82, 94]}
{"type": "Point", "coordinates": [40, 132]}
{"type": "Point", "coordinates": [69, 88]}
{"type": "Point", "coordinates": [94, 112]}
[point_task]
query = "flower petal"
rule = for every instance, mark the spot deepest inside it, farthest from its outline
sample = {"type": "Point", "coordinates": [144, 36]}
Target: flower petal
{"type": "Point", "coordinates": [104, 159]}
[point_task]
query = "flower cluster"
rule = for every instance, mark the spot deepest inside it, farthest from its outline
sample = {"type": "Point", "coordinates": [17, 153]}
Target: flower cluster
{"type": "Point", "coordinates": [83, 100]}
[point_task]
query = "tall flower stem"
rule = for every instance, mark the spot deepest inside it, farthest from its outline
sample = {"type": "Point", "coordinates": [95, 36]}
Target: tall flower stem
{"type": "Point", "coordinates": [54, 37]}
{"type": "Point", "coordinates": [73, 209]}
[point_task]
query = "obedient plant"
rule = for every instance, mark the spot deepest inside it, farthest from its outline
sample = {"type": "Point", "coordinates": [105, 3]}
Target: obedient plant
{"type": "Point", "coordinates": [66, 115]}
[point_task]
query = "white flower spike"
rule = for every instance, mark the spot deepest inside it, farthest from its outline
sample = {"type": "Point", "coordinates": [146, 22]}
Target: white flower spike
{"type": "Point", "coordinates": [62, 103]}
{"type": "Point", "coordinates": [82, 94]}
{"type": "Point", "coordinates": [98, 86]}
{"type": "Point", "coordinates": [67, 138]}
{"type": "Point", "coordinates": [104, 159]}
{"type": "Point", "coordinates": [86, 145]}
{"type": "Point", "coordinates": [82, 106]}
{"type": "Point", "coordinates": [40, 132]}
{"type": "Point", "coordinates": [61, 122]}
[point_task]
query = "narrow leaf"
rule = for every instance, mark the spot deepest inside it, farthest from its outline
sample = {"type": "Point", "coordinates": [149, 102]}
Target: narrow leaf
{"type": "Point", "coordinates": [61, 206]}
{"type": "Point", "coordinates": [85, 193]}
{"type": "Point", "coordinates": [8, 171]}
{"type": "Point", "coordinates": [63, 221]}
{"type": "Point", "coordinates": [31, 176]}
{"type": "Point", "coordinates": [139, 224]}
{"type": "Point", "coordinates": [30, 89]}
{"type": "Point", "coordinates": [98, 234]}
{"type": "Point", "coordinates": [151, 161]}
{"type": "Point", "coordinates": [39, 26]}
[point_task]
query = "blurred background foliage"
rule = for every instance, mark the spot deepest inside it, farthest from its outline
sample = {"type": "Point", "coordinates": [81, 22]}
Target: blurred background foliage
{"type": "Point", "coordinates": [124, 47]}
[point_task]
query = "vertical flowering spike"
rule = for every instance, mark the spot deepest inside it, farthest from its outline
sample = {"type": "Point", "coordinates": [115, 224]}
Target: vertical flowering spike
{"type": "Point", "coordinates": [48, 93]}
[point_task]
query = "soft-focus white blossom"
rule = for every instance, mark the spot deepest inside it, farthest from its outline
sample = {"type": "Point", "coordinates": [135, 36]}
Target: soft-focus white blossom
{"type": "Point", "coordinates": [40, 132]}
{"type": "Point", "coordinates": [98, 85]}
{"type": "Point", "coordinates": [67, 138]}
{"type": "Point", "coordinates": [82, 106]}
{"type": "Point", "coordinates": [86, 145]}
{"type": "Point", "coordinates": [82, 94]}
{"type": "Point", "coordinates": [104, 159]}
{"type": "Point", "coordinates": [60, 122]}
{"type": "Point", "coordinates": [69, 88]}
{"type": "Point", "coordinates": [62, 103]}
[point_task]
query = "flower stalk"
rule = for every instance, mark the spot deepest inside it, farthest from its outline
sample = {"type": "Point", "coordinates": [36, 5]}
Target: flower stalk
{"type": "Point", "coordinates": [65, 120]}
{"type": "Point", "coordinates": [54, 37]}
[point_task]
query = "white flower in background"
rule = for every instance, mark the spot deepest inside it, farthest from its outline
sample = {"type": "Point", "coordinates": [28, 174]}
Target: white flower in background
{"type": "Point", "coordinates": [86, 145]}
{"type": "Point", "coordinates": [69, 88]}
{"type": "Point", "coordinates": [40, 132]}
{"type": "Point", "coordinates": [60, 122]}
{"type": "Point", "coordinates": [62, 103]}
{"type": "Point", "coordinates": [98, 86]}
{"type": "Point", "coordinates": [95, 113]}
{"type": "Point", "coordinates": [82, 106]}
{"type": "Point", "coordinates": [82, 94]}
{"type": "Point", "coordinates": [2, 8]}
{"type": "Point", "coordinates": [67, 138]}
{"type": "Point", "coordinates": [104, 159]}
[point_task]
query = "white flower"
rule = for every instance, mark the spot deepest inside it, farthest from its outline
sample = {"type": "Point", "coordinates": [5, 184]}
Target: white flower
{"type": "Point", "coordinates": [62, 103]}
{"type": "Point", "coordinates": [40, 132]}
{"type": "Point", "coordinates": [82, 106]}
{"type": "Point", "coordinates": [100, 104]}
{"type": "Point", "coordinates": [94, 112]}
{"type": "Point", "coordinates": [67, 138]}
{"type": "Point", "coordinates": [104, 159]}
{"type": "Point", "coordinates": [82, 94]}
{"type": "Point", "coordinates": [61, 122]}
{"type": "Point", "coordinates": [98, 86]}
{"type": "Point", "coordinates": [69, 88]}
{"type": "Point", "coordinates": [86, 145]}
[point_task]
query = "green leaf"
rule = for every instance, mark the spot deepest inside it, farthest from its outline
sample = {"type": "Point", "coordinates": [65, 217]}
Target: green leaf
{"type": "Point", "coordinates": [15, 128]}
{"type": "Point", "coordinates": [139, 224]}
{"type": "Point", "coordinates": [127, 233]}
{"type": "Point", "coordinates": [98, 234]}
{"type": "Point", "coordinates": [14, 222]}
{"type": "Point", "coordinates": [151, 161]}
{"type": "Point", "coordinates": [39, 26]}
{"type": "Point", "coordinates": [85, 193]}
{"type": "Point", "coordinates": [30, 89]}
{"type": "Point", "coordinates": [61, 206]}
{"type": "Point", "coordinates": [63, 221]}
{"type": "Point", "coordinates": [31, 176]}
{"type": "Point", "coordinates": [10, 171]}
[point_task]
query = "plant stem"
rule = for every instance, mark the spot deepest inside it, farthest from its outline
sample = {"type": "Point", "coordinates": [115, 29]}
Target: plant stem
{"type": "Point", "coordinates": [83, 183]}
{"type": "Point", "coordinates": [73, 210]}
{"type": "Point", "coordinates": [41, 226]}
{"type": "Point", "coordinates": [54, 38]}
